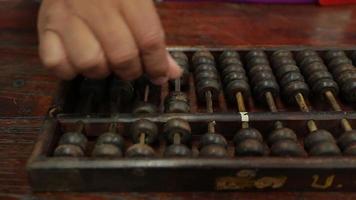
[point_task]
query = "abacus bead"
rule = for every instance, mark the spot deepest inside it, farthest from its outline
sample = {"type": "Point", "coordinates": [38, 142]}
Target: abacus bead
{"type": "Point", "coordinates": [232, 68]}
{"type": "Point", "coordinates": [247, 133]}
{"type": "Point", "coordinates": [309, 60]}
{"type": "Point", "coordinates": [107, 150]}
{"type": "Point", "coordinates": [228, 54]}
{"type": "Point", "coordinates": [205, 67]}
{"type": "Point", "coordinates": [287, 148]}
{"type": "Point", "coordinates": [74, 138]}
{"type": "Point", "coordinates": [279, 62]}
{"type": "Point", "coordinates": [206, 75]}
{"type": "Point", "coordinates": [293, 88]}
{"type": "Point", "coordinates": [206, 85]}
{"type": "Point", "coordinates": [203, 57]}
{"type": "Point", "coordinates": [263, 75]}
{"type": "Point", "coordinates": [313, 78]}
{"type": "Point", "coordinates": [350, 151]}
{"type": "Point", "coordinates": [177, 106]}
{"type": "Point", "coordinates": [344, 68]}
{"type": "Point", "coordinates": [257, 61]}
{"type": "Point", "coordinates": [238, 86]}
{"type": "Point", "coordinates": [334, 63]}
{"type": "Point", "coordinates": [177, 150]}
{"type": "Point", "coordinates": [213, 151]}
{"type": "Point", "coordinates": [68, 150]}
{"type": "Point", "coordinates": [212, 139]}
{"type": "Point", "coordinates": [347, 139]}
{"type": "Point", "coordinates": [111, 138]}
{"type": "Point", "coordinates": [349, 90]}
{"type": "Point", "coordinates": [144, 108]}
{"type": "Point", "coordinates": [229, 61]}
{"type": "Point", "coordinates": [234, 76]}
{"type": "Point", "coordinates": [324, 85]}
{"type": "Point", "coordinates": [344, 77]}
{"type": "Point", "coordinates": [291, 77]}
{"type": "Point", "coordinates": [140, 151]}
{"type": "Point", "coordinates": [300, 55]}
{"type": "Point", "coordinates": [147, 127]}
{"type": "Point", "coordinates": [262, 87]}
{"type": "Point", "coordinates": [250, 147]}
{"type": "Point", "coordinates": [329, 55]}
{"type": "Point", "coordinates": [255, 53]}
{"type": "Point", "coordinates": [179, 55]}
{"type": "Point", "coordinates": [281, 71]}
{"type": "Point", "coordinates": [177, 126]}
{"type": "Point", "coordinates": [282, 134]}
{"type": "Point", "coordinates": [318, 136]}
{"type": "Point", "coordinates": [313, 68]}
{"type": "Point", "coordinates": [259, 68]}
{"type": "Point", "coordinates": [282, 53]}
{"type": "Point", "coordinates": [325, 149]}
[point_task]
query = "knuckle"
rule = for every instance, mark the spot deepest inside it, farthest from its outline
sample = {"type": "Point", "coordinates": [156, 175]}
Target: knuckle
{"type": "Point", "coordinates": [50, 63]}
{"type": "Point", "coordinates": [86, 62]}
{"type": "Point", "coordinates": [152, 41]}
{"type": "Point", "coordinates": [119, 57]}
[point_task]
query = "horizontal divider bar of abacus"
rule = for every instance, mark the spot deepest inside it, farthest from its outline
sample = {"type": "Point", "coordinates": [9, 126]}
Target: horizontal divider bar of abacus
{"type": "Point", "coordinates": [204, 117]}
{"type": "Point", "coordinates": [262, 47]}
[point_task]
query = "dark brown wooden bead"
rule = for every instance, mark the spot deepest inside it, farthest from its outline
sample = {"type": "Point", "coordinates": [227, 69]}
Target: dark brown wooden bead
{"type": "Point", "coordinates": [262, 87]}
{"type": "Point", "coordinates": [206, 75]}
{"type": "Point", "coordinates": [74, 138]}
{"type": "Point", "coordinates": [112, 139]}
{"type": "Point", "coordinates": [262, 75]}
{"type": "Point", "coordinates": [177, 126]}
{"type": "Point", "coordinates": [290, 78]}
{"type": "Point", "coordinates": [305, 62]}
{"type": "Point", "coordinates": [313, 68]}
{"type": "Point", "coordinates": [206, 85]}
{"type": "Point", "coordinates": [250, 147]}
{"type": "Point", "coordinates": [282, 134]}
{"type": "Point", "coordinates": [281, 71]}
{"type": "Point", "coordinates": [144, 108]}
{"type": "Point", "coordinates": [331, 54]}
{"type": "Point", "coordinates": [300, 55]}
{"type": "Point", "coordinates": [231, 69]}
{"type": "Point", "coordinates": [213, 151]}
{"type": "Point", "coordinates": [140, 151]}
{"type": "Point", "coordinates": [179, 55]}
{"type": "Point", "coordinates": [293, 88]}
{"type": "Point", "coordinates": [247, 133]}
{"type": "Point", "coordinates": [107, 150]}
{"type": "Point", "coordinates": [212, 139]}
{"type": "Point", "coordinates": [257, 61]}
{"type": "Point", "coordinates": [234, 76]}
{"type": "Point", "coordinates": [317, 76]}
{"type": "Point", "coordinates": [287, 148]}
{"type": "Point", "coordinates": [316, 137]}
{"type": "Point", "coordinates": [325, 149]}
{"type": "Point", "coordinates": [255, 53]}
{"type": "Point", "coordinates": [147, 127]}
{"type": "Point", "coordinates": [229, 54]}
{"type": "Point", "coordinates": [202, 57]}
{"type": "Point", "coordinates": [176, 102]}
{"type": "Point", "coordinates": [177, 150]}
{"type": "Point", "coordinates": [238, 86]}
{"type": "Point", "coordinates": [205, 67]}
{"type": "Point", "coordinates": [348, 89]}
{"type": "Point", "coordinates": [322, 86]}
{"type": "Point", "coordinates": [334, 63]}
{"type": "Point", "coordinates": [350, 150]}
{"type": "Point", "coordinates": [347, 139]}
{"type": "Point", "coordinates": [229, 61]}
{"type": "Point", "coordinates": [259, 68]}
{"type": "Point", "coordinates": [68, 150]}
{"type": "Point", "coordinates": [281, 61]}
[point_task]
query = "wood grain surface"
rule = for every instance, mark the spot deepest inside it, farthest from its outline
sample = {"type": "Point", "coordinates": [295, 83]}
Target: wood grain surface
{"type": "Point", "coordinates": [26, 91]}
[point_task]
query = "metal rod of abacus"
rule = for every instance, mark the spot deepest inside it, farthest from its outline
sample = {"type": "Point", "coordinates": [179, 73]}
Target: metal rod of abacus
{"type": "Point", "coordinates": [335, 105]}
{"type": "Point", "coordinates": [177, 85]}
{"type": "Point", "coordinates": [304, 107]}
{"type": "Point", "coordinates": [273, 108]}
{"type": "Point", "coordinates": [241, 107]}
{"type": "Point", "coordinates": [146, 93]}
{"type": "Point", "coordinates": [209, 108]}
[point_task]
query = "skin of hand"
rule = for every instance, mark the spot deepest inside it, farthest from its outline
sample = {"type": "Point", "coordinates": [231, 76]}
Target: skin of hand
{"type": "Point", "coordinates": [97, 37]}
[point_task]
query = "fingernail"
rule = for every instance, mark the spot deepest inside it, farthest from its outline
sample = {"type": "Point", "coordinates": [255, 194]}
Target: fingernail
{"type": "Point", "coordinates": [175, 70]}
{"type": "Point", "coordinates": [160, 80]}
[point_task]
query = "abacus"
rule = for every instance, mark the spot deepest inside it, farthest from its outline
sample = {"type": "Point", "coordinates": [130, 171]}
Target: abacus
{"type": "Point", "coordinates": [238, 119]}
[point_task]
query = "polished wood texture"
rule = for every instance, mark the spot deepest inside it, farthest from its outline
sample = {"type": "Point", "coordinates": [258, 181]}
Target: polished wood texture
{"type": "Point", "coordinates": [26, 90]}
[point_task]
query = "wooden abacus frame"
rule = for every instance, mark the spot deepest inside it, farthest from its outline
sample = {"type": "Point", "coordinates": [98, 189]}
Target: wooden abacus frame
{"type": "Point", "coordinates": [85, 174]}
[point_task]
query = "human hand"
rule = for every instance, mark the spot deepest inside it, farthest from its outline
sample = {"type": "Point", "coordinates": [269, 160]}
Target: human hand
{"type": "Point", "coordinates": [97, 37]}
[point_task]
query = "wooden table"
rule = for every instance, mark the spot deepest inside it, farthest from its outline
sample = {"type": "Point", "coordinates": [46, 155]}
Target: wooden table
{"type": "Point", "coordinates": [26, 90]}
